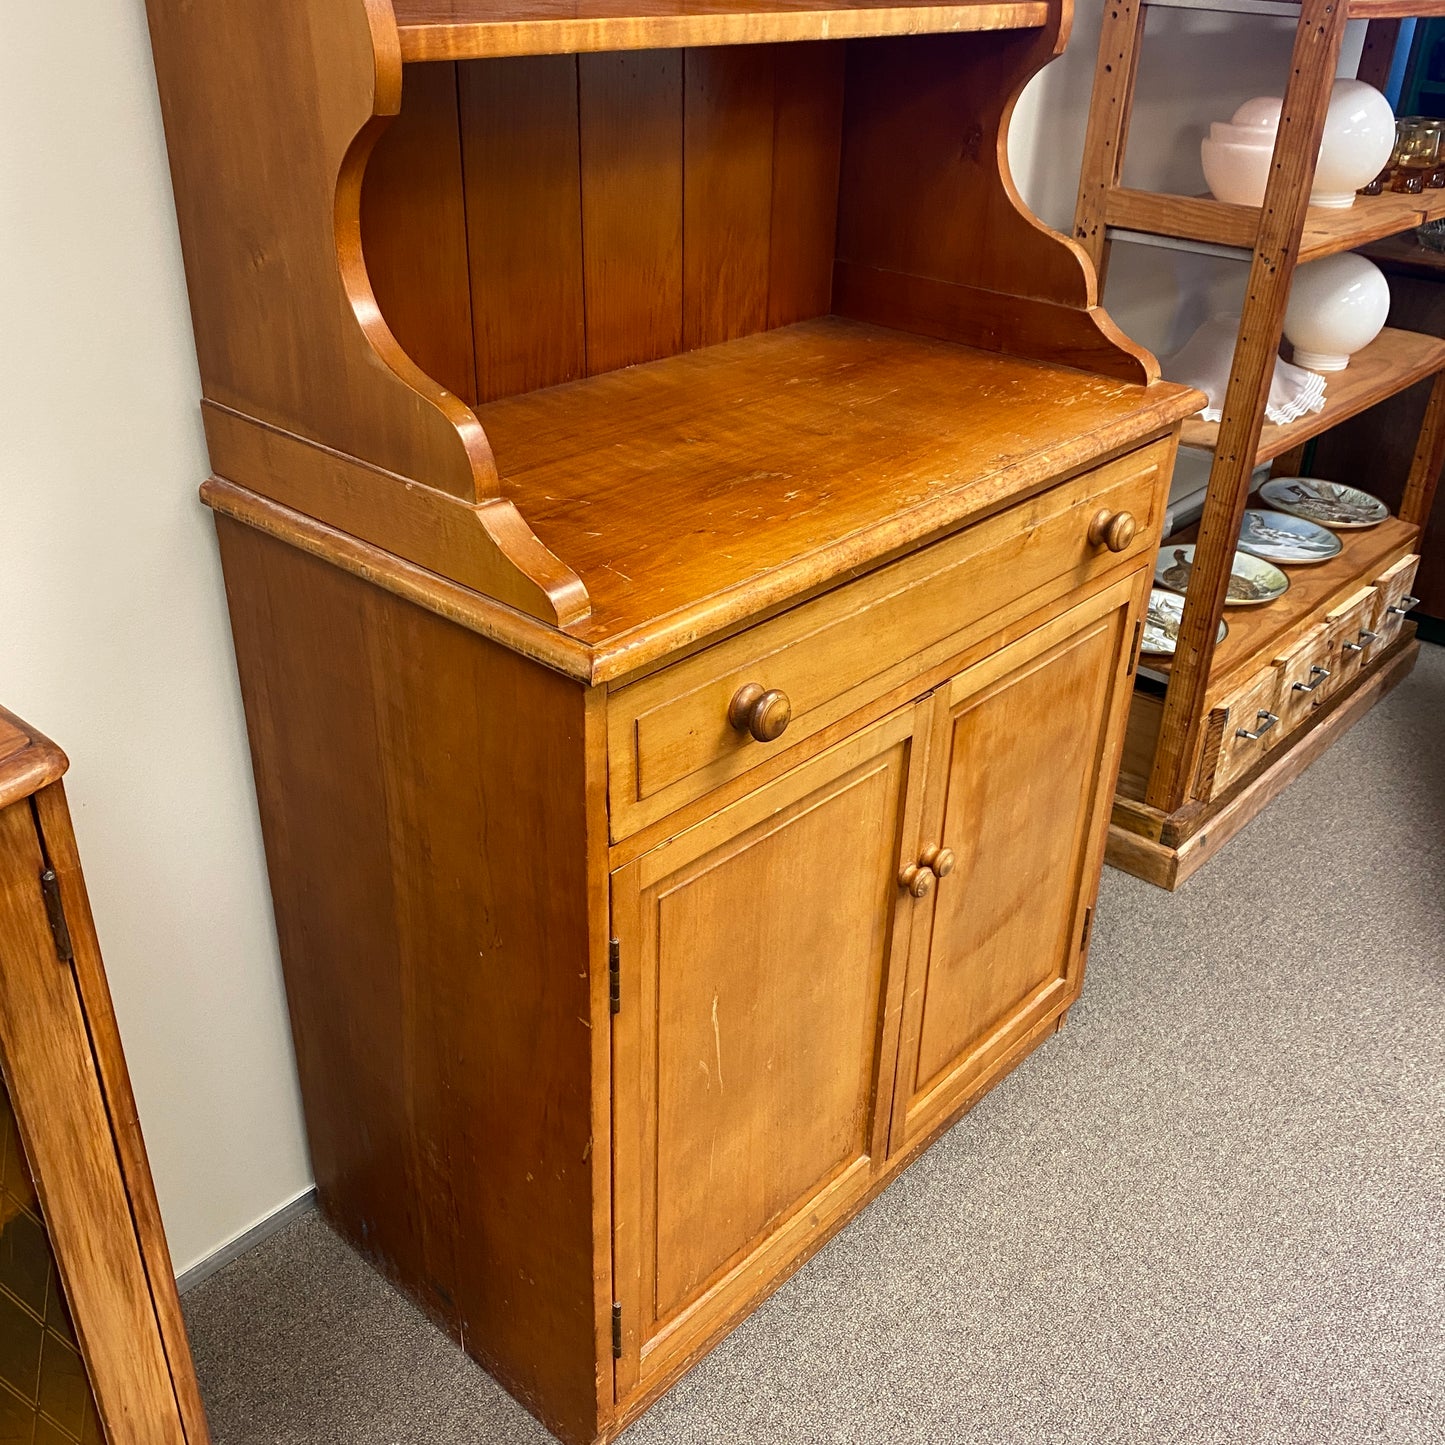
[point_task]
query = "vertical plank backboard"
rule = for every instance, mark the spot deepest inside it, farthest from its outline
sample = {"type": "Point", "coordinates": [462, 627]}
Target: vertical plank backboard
{"type": "Point", "coordinates": [727, 192]}
{"type": "Point", "coordinates": [807, 148]}
{"type": "Point", "coordinates": [630, 111]}
{"type": "Point", "coordinates": [414, 231]}
{"type": "Point", "coordinates": [524, 221]}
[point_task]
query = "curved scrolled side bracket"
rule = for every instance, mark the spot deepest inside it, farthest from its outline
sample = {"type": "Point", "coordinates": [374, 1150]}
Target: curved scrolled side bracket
{"type": "Point", "coordinates": [928, 137]}
{"type": "Point", "coordinates": [271, 114]}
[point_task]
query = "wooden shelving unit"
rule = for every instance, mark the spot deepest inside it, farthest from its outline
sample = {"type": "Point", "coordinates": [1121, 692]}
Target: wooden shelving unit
{"type": "Point", "coordinates": [1170, 799]}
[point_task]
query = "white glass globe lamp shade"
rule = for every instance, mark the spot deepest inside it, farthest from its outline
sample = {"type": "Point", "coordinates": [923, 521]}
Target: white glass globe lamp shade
{"type": "Point", "coordinates": [1236, 153]}
{"type": "Point", "coordinates": [1236, 171]}
{"type": "Point", "coordinates": [1358, 140]}
{"type": "Point", "coordinates": [1336, 306]}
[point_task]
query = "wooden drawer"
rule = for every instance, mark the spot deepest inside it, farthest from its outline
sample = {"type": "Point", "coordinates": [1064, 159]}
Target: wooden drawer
{"type": "Point", "coordinates": [1305, 675]}
{"type": "Point", "coordinates": [1353, 640]}
{"type": "Point", "coordinates": [669, 737]}
{"type": "Point", "coordinates": [1247, 725]}
{"type": "Point", "coordinates": [1393, 599]}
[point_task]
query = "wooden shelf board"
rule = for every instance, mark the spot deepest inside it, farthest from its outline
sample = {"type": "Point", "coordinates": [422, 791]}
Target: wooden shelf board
{"type": "Point", "coordinates": [1217, 223]}
{"type": "Point", "coordinates": [780, 461]}
{"type": "Point", "coordinates": [474, 29]}
{"type": "Point", "coordinates": [1395, 9]}
{"type": "Point", "coordinates": [1390, 363]}
{"type": "Point", "coordinates": [1258, 635]}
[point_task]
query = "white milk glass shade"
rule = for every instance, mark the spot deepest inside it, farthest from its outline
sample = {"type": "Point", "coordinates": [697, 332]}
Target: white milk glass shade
{"type": "Point", "coordinates": [1359, 137]}
{"type": "Point", "coordinates": [1236, 153]}
{"type": "Point", "coordinates": [1336, 306]}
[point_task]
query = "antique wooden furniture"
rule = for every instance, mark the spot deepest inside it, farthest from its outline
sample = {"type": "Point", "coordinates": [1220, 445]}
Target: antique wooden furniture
{"type": "Point", "coordinates": [92, 1347]}
{"type": "Point", "coordinates": [685, 527]}
{"type": "Point", "coordinates": [1192, 777]}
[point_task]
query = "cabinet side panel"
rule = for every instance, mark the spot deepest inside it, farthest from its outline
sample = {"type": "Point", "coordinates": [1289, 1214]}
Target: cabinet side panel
{"type": "Point", "coordinates": [423, 797]}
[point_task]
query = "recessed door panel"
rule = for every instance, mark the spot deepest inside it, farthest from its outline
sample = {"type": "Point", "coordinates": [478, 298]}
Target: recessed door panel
{"type": "Point", "coordinates": [751, 1055]}
{"type": "Point", "coordinates": [1017, 805]}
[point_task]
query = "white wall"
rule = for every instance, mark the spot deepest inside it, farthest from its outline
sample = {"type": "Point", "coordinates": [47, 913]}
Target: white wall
{"type": "Point", "coordinates": [113, 634]}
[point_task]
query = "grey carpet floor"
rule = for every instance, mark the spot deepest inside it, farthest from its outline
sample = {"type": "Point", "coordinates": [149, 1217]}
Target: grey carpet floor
{"type": "Point", "coordinates": [1211, 1209]}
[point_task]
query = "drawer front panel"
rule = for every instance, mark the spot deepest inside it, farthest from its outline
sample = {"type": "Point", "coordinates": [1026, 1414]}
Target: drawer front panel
{"type": "Point", "coordinates": [1393, 599]}
{"type": "Point", "coordinates": [1353, 641]}
{"type": "Point", "coordinates": [1305, 676]}
{"type": "Point", "coordinates": [670, 739]}
{"type": "Point", "coordinates": [1251, 725]}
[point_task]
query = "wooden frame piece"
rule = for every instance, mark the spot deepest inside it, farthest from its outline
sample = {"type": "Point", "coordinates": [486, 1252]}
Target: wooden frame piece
{"type": "Point", "coordinates": [270, 126]}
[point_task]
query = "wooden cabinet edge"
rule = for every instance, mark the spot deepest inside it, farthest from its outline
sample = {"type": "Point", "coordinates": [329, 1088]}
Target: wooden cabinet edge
{"type": "Point", "coordinates": [631, 656]}
{"type": "Point", "coordinates": [53, 818]}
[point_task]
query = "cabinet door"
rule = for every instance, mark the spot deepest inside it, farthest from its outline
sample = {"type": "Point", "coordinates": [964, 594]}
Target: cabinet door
{"type": "Point", "coordinates": [68, 1249]}
{"type": "Point", "coordinates": [1026, 748]}
{"type": "Point", "coordinates": [753, 1046]}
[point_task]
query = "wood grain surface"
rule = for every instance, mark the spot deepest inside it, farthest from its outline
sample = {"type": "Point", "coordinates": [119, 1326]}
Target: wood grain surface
{"type": "Point", "coordinates": [423, 794]}
{"type": "Point", "coordinates": [686, 479]}
{"type": "Point", "coordinates": [463, 29]}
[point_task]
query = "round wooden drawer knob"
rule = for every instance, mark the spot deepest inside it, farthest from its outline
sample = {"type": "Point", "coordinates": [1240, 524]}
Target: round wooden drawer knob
{"type": "Point", "coordinates": [1114, 530]}
{"type": "Point", "coordinates": [939, 860]}
{"type": "Point", "coordinates": [917, 879]}
{"type": "Point", "coordinates": [763, 713]}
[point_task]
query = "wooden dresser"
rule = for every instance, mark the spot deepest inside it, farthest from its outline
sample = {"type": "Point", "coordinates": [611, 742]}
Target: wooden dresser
{"type": "Point", "coordinates": [92, 1347]}
{"type": "Point", "coordinates": [686, 528]}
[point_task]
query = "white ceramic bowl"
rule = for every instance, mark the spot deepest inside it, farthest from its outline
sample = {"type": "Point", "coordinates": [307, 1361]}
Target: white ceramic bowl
{"type": "Point", "coordinates": [1359, 137]}
{"type": "Point", "coordinates": [1236, 173]}
{"type": "Point", "coordinates": [1336, 306]}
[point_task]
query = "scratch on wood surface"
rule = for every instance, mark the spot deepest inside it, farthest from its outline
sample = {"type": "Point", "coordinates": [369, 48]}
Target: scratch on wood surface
{"type": "Point", "coordinates": [717, 1043]}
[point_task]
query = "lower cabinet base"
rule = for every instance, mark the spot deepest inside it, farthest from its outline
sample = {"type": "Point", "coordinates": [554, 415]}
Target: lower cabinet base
{"type": "Point", "coordinates": [1200, 833]}
{"type": "Point", "coordinates": [637, 1404]}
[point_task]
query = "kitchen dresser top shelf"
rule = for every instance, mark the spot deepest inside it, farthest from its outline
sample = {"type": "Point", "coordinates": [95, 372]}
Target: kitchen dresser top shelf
{"type": "Point", "coordinates": [475, 29]}
{"type": "Point", "coordinates": [789, 457]}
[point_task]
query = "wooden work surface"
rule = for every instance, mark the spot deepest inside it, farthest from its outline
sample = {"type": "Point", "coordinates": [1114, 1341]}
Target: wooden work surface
{"type": "Point", "coordinates": [28, 761]}
{"type": "Point", "coordinates": [782, 460]}
{"type": "Point", "coordinates": [1257, 635]}
{"type": "Point", "coordinates": [472, 29]}
{"type": "Point", "coordinates": [1390, 363]}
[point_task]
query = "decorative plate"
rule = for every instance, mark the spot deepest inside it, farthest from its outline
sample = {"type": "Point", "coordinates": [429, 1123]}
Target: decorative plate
{"type": "Point", "coordinates": [1288, 541]}
{"type": "Point", "coordinates": [1331, 504]}
{"type": "Point", "coordinates": [1161, 623]}
{"type": "Point", "coordinates": [1252, 580]}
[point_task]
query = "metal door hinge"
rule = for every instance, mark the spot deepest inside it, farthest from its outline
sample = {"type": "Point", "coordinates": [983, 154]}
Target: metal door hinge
{"type": "Point", "coordinates": [1088, 928]}
{"type": "Point", "coordinates": [614, 973]}
{"type": "Point", "coordinates": [616, 1329]}
{"type": "Point", "coordinates": [55, 912]}
{"type": "Point", "coordinates": [1134, 647]}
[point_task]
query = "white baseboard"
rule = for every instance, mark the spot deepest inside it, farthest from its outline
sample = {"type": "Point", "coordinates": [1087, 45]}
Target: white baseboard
{"type": "Point", "coordinates": [246, 1240]}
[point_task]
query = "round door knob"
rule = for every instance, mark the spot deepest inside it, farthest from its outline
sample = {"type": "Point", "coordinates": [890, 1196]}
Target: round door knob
{"type": "Point", "coordinates": [1114, 530]}
{"type": "Point", "coordinates": [764, 713]}
{"type": "Point", "coordinates": [916, 879]}
{"type": "Point", "coordinates": [939, 860]}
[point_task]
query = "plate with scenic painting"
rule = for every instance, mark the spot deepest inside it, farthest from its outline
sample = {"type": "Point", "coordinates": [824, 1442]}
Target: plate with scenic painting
{"type": "Point", "coordinates": [1161, 623]}
{"type": "Point", "coordinates": [1287, 541]}
{"type": "Point", "coordinates": [1252, 580]}
{"type": "Point", "coordinates": [1331, 504]}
